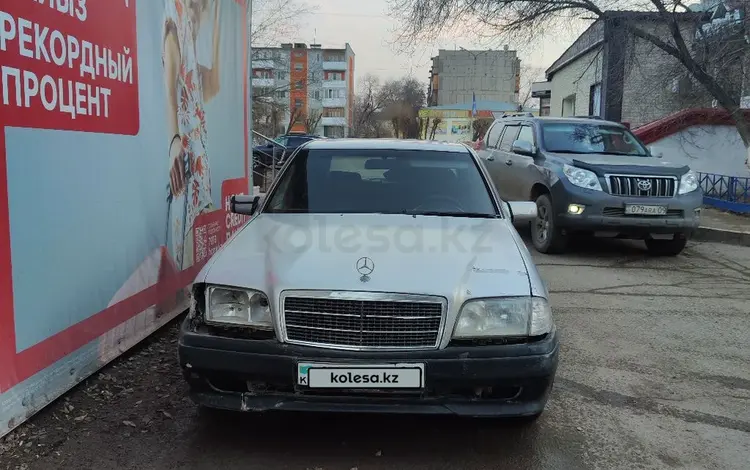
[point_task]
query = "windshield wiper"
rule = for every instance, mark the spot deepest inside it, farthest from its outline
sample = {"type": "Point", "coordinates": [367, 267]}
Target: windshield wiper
{"type": "Point", "coordinates": [576, 152]}
{"type": "Point", "coordinates": [468, 215]}
{"type": "Point", "coordinates": [624, 153]}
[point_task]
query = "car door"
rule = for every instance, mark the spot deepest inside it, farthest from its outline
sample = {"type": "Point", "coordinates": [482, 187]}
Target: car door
{"type": "Point", "coordinates": [523, 167]}
{"type": "Point", "coordinates": [488, 156]}
{"type": "Point", "coordinates": [504, 157]}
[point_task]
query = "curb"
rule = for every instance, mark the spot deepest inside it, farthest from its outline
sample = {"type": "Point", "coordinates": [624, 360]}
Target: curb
{"type": "Point", "coordinates": [732, 237]}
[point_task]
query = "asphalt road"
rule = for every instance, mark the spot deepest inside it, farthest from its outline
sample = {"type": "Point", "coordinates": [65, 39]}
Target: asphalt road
{"type": "Point", "coordinates": [654, 374]}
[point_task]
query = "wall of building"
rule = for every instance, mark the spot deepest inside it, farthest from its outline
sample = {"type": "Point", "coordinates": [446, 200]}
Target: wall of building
{"type": "Point", "coordinates": [655, 84]}
{"type": "Point", "coordinates": [492, 75]}
{"type": "Point", "coordinates": [576, 79]}
{"type": "Point", "coordinates": [707, 148]}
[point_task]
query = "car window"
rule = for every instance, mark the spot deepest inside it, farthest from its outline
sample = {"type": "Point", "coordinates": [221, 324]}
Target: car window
{"type": "Point", "coordinates": [527, 134]}
{"type": "Point", "coordinates": [382, 181]}
{"type": "Point", "coordinates": [591, 138]}
{"type": "Point", "coordinates": [509, 136]}
{"type": "Point", "coordinates": [493, 135]}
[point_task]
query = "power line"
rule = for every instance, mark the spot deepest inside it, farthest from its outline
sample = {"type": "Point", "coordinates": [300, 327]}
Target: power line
{"type": "Point", "coordinates": [349, 15]}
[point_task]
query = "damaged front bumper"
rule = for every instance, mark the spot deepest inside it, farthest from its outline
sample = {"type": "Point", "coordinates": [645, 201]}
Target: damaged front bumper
{"type": "Point", "coordinates": [239, 373]}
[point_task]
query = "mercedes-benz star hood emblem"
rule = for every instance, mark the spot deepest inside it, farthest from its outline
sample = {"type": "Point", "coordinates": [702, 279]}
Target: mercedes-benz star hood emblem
{"type": "Point", "coordinates": [365, 267]}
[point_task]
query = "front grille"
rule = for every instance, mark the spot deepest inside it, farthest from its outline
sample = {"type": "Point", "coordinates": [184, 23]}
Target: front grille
{"type": "Point", "coordinates": [634, 186]}
{"type": "Point", "coordinates": [363, 324]}
{"type": "Point", "coordinates": [620, 212]}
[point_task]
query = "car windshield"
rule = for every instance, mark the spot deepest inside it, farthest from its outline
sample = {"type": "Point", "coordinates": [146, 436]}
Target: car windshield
{"type": "Point", "coordinates": [591, 138]}
{"type": "Point", "coordinates": [379, 181]}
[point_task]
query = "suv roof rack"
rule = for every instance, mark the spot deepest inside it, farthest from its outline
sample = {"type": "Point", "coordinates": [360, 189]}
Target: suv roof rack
{"type": "Point", "coordinates": [588, 117]}
{"type": "Point", "coordinates": [526, 114]}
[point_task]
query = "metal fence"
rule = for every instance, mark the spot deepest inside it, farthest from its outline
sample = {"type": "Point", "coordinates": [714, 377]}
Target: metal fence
{"type": "Point", "coordinates": [725, 192]}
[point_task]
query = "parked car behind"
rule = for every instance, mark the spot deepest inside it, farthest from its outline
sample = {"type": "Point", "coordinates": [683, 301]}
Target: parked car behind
{"type": "Point", "coordinates": [592, 177]}
{"type": "Point", "coordinates": [263, 154]}
{"type": "Point", "coordinates": [376, 276]}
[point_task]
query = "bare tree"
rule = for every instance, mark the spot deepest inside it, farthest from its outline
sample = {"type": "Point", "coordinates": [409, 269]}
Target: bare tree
{"type": "Point", "coordinates": [529, 75]}
{"type": "Point", "coordinates": [701, 51]}
{"type": "Point", "coordinates": [276, 19]}
{"type": "Point", "coordinates": [312, 120]}
{"type": "Point", "coordinates": [369, 101]}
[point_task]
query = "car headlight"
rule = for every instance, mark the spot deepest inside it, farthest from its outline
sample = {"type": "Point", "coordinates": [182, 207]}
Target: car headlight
{"type": "Point", "coordinates": [688, 182]}
{"type": "Point", "coordinates": [509, 316]}
{"type": "Point", "coordinates": [234, 306]}
{"type": "Point", "coordinates": [582, 178]}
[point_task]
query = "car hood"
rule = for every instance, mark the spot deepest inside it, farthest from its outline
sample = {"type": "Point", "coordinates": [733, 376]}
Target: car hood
{"type": "Point", "coordinates": [446, 256]}
{"type": "Point", "coordinates": [613, 162]}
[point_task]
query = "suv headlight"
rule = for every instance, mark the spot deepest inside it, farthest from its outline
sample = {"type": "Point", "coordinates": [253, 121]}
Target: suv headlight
{"type": "Point", "coordinates": [508, 316]}
{"type": "Point", "coordinates": [235, 306]}
{"type": "Point", "coordinates": [582, 178]}
{"type": "Point", "coordinates": [688, 182]}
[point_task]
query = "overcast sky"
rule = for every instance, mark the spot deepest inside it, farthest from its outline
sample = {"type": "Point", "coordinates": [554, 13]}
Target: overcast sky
{"type": "Point", "coordinates": [366, 26]}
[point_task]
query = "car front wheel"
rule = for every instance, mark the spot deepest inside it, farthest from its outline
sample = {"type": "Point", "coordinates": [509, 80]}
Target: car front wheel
{"type": "Point", "coordinates": [545, 235]}
{"type": "Point", "coordinates": [671, 247]}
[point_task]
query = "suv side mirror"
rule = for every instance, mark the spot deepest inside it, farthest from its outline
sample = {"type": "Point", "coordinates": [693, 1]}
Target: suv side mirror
{"type": "Point", "coordinates": [523, 212]}
{"type": "Point", "coordinates": [523, 147]}
{"type": "Point", "coordinates": [244, 204]}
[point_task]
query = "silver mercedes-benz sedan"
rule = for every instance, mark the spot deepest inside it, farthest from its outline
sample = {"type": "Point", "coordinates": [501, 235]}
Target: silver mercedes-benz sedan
{"type": "Point", "coordinates": [375, 276]}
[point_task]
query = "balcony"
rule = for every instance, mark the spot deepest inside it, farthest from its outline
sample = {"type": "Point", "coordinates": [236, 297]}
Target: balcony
{"type": "Point", "coordinates": [264, 64]}
{"type": "Point", "coordinates": [334, 83]}
{"type": "Point", "coordinates": [263, 82]}
{"type": "Point", "coordinates": [334, 65]}
{"type": "Point", "coordinates": [334, 102]}
{"type": "Point", "coordinates": [333, 121]}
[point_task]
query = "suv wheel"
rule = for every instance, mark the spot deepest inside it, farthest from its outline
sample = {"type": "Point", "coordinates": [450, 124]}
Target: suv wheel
{"type": "Point", "coordinates": [671, 247]}
{"type": "Point", "coordinates": [545, 235]}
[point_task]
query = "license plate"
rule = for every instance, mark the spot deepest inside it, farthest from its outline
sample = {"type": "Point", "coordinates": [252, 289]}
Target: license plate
{"type": "Point", "coordinates": [639, 209]}
{"type": "Point", "coordinates": [375, 376]}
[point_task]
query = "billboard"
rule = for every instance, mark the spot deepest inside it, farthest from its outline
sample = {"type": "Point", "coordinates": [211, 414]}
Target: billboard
{"type": "Point", "coordinates": [124, 129]}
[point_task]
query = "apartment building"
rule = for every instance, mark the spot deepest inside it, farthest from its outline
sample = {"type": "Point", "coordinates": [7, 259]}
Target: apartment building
{"type": "Point", "coordinates": [456, 76]}
{"type": "Point", "coordinates": [310, 82]}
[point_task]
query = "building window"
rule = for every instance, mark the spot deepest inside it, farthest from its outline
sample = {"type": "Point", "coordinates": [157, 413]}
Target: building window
{"type": "Point", "coordinates": [316, 94]}
{"type": "Point", "coordinates": [298, 103]}
{"type": "Point", "coordinates": [262, 74]}
{"type": "Point", "coordinates": [337, 76]}
{"type": "Point", "coordinates": [333, 93]}
{"type": "Point", "coordinates": [299, 84]}
{"type": "Point", "coordinates": [335, 132]}
{"type": "Point", "coordinates": [333, 112]}
{"type": "Point", "coordinates": [299, 54]}
{"type": "Point", "coordinates": [298, 66]}
{"type": "Point", "coordinates": [334, 58]}
{"type": "Point", "coordinates": [569, 106]}
{"type": "Point", "coordinates": [595, 100]}
{"type": "Point", "coordinates": [280, 75]}
{"type": "Point", "coordinates": [281, 94]}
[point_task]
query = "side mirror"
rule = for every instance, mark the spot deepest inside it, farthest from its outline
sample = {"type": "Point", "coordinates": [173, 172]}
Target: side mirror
{"type": "Point", "coordinates": [523, 147]}
{"type": "Point", "coordinates": [244, 204]}
{"type": "Point", "coordinates": [655, 152]}
{"type": "Point", "coordinates": [523, 212]}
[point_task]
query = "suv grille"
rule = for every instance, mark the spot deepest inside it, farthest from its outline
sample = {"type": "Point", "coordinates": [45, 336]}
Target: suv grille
{"type": "Point", "coordinates": [363, 324]}
{"type": "Point", "coordinates": [645, 186]}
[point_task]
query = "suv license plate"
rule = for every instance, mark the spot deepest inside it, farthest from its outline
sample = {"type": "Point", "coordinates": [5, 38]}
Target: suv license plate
{"type": "Point", "coordinates": [353, 376]}
{"type": "Point", "coordinates": [639, 209]}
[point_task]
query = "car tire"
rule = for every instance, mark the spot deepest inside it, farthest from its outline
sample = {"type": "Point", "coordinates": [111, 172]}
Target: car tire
{"type": "Point", "coordinates": [545, 235]}
{"type": "Point", "coordinates": [671, 247]}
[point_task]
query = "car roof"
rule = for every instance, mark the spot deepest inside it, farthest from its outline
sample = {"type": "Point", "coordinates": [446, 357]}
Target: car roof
{"type": "Point", "coordinates": [384, 144]}
{"type": "Point", "coordinates": [563, 120]}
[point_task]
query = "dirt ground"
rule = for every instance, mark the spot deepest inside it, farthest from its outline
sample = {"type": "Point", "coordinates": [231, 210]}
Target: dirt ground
{"type": "Point", "coordinates": [653, 374]}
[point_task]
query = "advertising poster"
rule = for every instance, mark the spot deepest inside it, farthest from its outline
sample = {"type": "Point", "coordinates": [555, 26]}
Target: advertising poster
{"type": "Point", "coordinates": [124, 129]}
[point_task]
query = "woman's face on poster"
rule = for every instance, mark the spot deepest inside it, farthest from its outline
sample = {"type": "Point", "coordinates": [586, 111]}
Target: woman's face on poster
{"type": "Point", "coordinates": [197, 9]}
